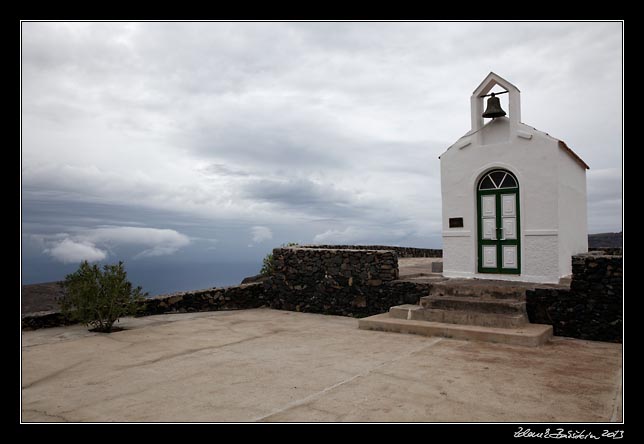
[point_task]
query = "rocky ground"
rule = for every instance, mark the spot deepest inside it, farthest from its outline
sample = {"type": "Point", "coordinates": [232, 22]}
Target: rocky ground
{"type": "Point", "coordinates": [40, 297]}
{"type": "Point", "coordinates": [605, 240]}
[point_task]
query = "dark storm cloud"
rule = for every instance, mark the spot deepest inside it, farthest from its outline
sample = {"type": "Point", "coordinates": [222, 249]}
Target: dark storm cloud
{"type": "Point", "coordinates": [604, 200]}
{"type": "Point", "coordinates": [220, 169]}
{"type": "Point", "coordinates": [256, 142]}
{"type": "Point", "coordinates": [303, 195]}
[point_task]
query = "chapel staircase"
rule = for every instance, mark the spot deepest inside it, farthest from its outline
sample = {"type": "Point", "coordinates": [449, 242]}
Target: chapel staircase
{"type": "Point", "coordinates": [472, 309]}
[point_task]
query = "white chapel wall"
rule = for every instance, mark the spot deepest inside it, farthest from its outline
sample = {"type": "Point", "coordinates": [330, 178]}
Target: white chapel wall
{"type": "Point", "coordinates": [573, 218]}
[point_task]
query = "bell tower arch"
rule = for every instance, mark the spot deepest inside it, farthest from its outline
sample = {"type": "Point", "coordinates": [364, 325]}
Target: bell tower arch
{"type": "Point", "coordinates": [477, 103]}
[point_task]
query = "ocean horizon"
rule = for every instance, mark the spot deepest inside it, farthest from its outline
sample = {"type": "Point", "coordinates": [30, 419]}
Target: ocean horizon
{"type": "Point", "coordinates": [163, 278]}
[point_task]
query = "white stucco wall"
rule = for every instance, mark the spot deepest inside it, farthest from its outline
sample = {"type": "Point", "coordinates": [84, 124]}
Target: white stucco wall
{"type": "Point", "coordinates": [541, 261]}
{"type": "Point", "coordinates": [573, 220]}
{"type": "Point", "coordinates": [455, 263]}
{"type": "Point", "coordinates": [534, 161]}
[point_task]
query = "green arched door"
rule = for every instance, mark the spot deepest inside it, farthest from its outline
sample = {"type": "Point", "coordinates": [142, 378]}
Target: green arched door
{"type": "Point", "coordinates": [497, 199]}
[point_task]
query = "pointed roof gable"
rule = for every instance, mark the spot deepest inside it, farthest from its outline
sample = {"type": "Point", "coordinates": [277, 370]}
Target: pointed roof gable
{"type": "Point", "coordinates": [562, 144]}
{"type": "Point", "coordinates": [572, 154]}
{"type": "Point", "coordinates": [488, 83]}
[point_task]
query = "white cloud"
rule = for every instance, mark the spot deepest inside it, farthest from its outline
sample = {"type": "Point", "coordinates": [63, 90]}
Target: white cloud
{"type": "Point", "coordinates": [397, 234]}
{"type": "Point", "coordinates": [156, 251]}
{"type": "Point", "coordinates": [159, 241]}
{"type": "Point", "coordinates": [346, 236]}
{"type": "Point", "coordinates": [94, 244]}
{"type": "Point", "coordinates": [261, 234]}
{"type": "Point", "coordinates": [68, 251]}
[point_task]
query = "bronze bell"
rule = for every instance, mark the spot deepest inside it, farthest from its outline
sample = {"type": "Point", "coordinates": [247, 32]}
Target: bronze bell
{"type": "Point", "coordinates": [494, 109]}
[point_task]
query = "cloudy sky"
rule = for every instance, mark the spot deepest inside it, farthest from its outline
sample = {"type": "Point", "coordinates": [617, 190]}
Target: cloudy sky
{"type": "Point", "coordinates": [198, 146]}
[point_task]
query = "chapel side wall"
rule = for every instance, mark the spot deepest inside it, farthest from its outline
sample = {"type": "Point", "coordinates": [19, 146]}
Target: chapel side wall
{"type": "Point", "coordinates": [573, 218]}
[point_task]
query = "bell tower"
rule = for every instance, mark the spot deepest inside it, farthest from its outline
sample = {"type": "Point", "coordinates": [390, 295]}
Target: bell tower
{"type": "Point", "coordinates": [479, 94]}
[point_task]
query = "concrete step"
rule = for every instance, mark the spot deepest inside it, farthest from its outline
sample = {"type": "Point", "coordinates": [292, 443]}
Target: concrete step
{"type": "Point", "coordinates": [422, 278]}
{"type": "Point", "coordinates": [481, 288]}
{"type": "Point", "coordinates": [482, 305]}
{"type": "Point", "coordinates": [529, 335]}
{"type": "Point", "coordinates": [405, 311]}
{"type": "Point", "coordinates": [472, 318]}
{"type": "Point", "coordinates": [465, 317]}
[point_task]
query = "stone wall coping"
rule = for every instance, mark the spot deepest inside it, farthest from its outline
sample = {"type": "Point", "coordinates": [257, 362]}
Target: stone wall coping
{"type": "Point", "coordinates": [401, 251]}
{"type": "Point", "coordinates": [355, 250]}
{"type": "Point", "coordinates": [38, 314]}
{"type": "Point", "coordinates": [596, 254]}
{"type": "Point", "coordinates": [203, 290]}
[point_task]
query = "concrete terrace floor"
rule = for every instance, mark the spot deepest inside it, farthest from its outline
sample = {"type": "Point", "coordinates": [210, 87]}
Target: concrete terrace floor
{"type": "Point", "coordinates": [279, 366]}
{"type": "Point", "coordinates": [415, 267]}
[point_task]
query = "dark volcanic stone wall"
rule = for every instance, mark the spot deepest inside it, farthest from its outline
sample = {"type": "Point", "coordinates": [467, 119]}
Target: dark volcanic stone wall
{"type": "Point", "coordinates": [400, 251]}
{"type": "Point", "coordinates": [591, 309]}
{"type": "Point", "coordinates": [347, 282]}
{"type": "Point", "coordinates": [44, 319]}
{"type": "Point", "coordinates": [211, 299]}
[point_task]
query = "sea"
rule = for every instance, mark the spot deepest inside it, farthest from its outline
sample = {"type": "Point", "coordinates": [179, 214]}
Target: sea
{"type": "Point", "coordinates": [170, 278]}
{"type": "Point", "coordinates": [156, 277]}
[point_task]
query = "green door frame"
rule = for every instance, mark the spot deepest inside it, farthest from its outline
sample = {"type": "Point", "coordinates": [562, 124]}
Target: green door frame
{"type": "Point", "coordinates": [498, 242]}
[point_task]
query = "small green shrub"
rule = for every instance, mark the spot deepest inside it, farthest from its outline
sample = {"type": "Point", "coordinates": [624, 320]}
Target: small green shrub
{"type": "Point", "coordinates": [267, 264]}
{"type": "Point", "coordinates": [98, 298]}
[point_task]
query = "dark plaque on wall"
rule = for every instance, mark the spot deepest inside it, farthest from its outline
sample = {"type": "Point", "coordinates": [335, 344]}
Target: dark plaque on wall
{"type": "Point", "coordinates": [456, 222]}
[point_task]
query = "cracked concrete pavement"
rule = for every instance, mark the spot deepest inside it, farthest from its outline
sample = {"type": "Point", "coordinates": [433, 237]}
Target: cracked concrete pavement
{"type": "Point", "coordinates": [280, 366]}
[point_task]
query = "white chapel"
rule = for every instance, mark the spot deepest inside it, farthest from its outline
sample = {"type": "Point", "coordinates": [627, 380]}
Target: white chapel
{"type": "Point", "coordinates": [513, 197]}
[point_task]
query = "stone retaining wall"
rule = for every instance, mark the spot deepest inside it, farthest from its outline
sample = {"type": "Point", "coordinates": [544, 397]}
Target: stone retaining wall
{"type": "Point", "coordinates": [591, 308]}
{"type": "Point", "coordinates": [348, 282]}
{"type": "Point", "coordinates": [44, 319]}
{"type": "Point", "coordinates": [211, 299]}
{"type": "Point", "coordinates": [401, 251]}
